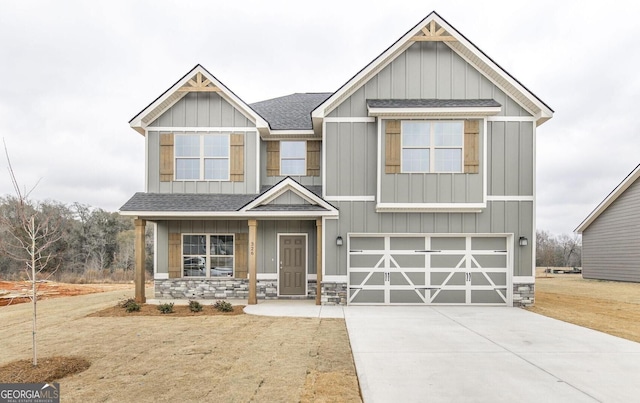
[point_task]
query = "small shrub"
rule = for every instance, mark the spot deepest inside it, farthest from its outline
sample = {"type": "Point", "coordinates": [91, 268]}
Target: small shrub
{"type": "Point", "coordinates": [195, 306]}
{"type": "Point", "coordinates": [223, 306]}
{"type": "Point", "coordinates": [130, 305]}
{"type": "Point", "coordinates": [166, 308]}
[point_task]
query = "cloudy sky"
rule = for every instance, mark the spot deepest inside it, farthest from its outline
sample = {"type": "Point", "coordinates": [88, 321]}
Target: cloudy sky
{"type": "Point", "coordinates": [75, 72]}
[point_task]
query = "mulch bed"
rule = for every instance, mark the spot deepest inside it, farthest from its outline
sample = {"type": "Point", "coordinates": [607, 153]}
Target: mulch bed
{"type": "Point", "coordinates": [49, 369]}
{"type": "Point", "coordinates": [178, 311]}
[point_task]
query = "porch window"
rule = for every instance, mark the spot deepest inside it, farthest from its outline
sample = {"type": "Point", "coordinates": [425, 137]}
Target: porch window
{"type": "Point", "coordinates": [207, 255]}
{"type": "Point", "coordinates": [432, 146]}
{"type": "Point", "coordinates": [202, 157]}
{"type": "Point", "coordinates": [293, 158]}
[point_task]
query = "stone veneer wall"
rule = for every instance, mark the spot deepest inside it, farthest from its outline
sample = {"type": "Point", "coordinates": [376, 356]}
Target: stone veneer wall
{"type": "Point", "coordinates": [523, 295]}
{"type": "Point", "coordinates": [334, 293]}
{"type": "Point", "coordinates": [223, 288]}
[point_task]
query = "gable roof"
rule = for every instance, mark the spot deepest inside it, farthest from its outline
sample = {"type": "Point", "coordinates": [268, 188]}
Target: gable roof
{"type": "Point", "coordinates": [611, 197]}
{"type": "Point", "coordinates": [459, 44]}
{"type": "Point", "coordinates": [289, 185]}
{"type": "Point", "coordinates": [290, 112]}
{"type": "Point", "coordinates": [206, 81]}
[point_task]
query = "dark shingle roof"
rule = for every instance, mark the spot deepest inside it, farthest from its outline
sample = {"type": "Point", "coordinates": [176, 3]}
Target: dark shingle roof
{"type": "Point", "coordinates": [291, 112]}
{"type": "Point", "coordinates": [289, 207]}
{"type": "Point", "coordinates": [316, 190]}
{"type": "Point", "coordinates": [431, 103]}
{"type": "Point", "coordinates": [186, 202]}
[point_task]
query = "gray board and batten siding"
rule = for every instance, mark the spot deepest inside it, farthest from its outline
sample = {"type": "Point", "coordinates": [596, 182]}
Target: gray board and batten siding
{"type": "Point", "coordinates": [611, 243]}
{"type": "Point", "coordinates": [205, 110]}
{"type": "Point", "coordinates": [268, 231]}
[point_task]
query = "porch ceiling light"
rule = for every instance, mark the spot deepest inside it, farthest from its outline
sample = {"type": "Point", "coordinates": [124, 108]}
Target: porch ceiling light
{"type": "Point", "coordinates": [523, 241]}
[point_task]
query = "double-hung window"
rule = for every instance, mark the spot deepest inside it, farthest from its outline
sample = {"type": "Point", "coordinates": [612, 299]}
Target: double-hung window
{"type": "Point", "coordinates": [205, 255]}
{"type": "Point", "coordinates": [202, 157]}
{"type": "Point", "coordinates": [432, 146]}
{"type": "Point", "coordinates": [293, 158]}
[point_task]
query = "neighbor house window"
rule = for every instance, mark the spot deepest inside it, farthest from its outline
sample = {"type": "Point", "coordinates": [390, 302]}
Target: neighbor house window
{"type": "Point", "coordinates": [202, 157]}
{"type": "Point", "coordinates": [432, 146]}
{"type": "Point", "coordinates": [205, 255]}
{"type": "Point", "coordinates": [293, 158]}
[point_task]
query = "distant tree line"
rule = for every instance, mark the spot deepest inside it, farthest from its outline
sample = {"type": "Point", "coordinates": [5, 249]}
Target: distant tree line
{"type": "Point", "coordinates": [558, 251]}
{"type": "Point", "coordinates": [93, 241]}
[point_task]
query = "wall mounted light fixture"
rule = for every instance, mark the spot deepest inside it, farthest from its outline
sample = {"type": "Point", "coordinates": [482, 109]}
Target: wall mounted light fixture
{"type": "Point", "coordinates": [523, 241]}
{"type": "Point", "coordinates": [339, 240]}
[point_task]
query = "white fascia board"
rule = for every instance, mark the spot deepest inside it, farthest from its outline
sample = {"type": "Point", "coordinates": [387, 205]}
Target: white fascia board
{"type": "Point", "coordinates": [149, 215]}
{"type": "Point", "coordinates": [284, 186]}
{"type": "Point", "coordinates": [470, 112]}
{"type": "Point", "coordinates": [225, 93]}
{"type": "Point", "coordinates": [613, 196]}
{"type": "Point", "coordinates": [430, 207]}
{"type": "Point", "coordinates": [201, 129]}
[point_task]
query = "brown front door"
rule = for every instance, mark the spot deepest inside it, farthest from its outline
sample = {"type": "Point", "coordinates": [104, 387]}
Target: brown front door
{"type": "Point", "coordinates": [293, 265]}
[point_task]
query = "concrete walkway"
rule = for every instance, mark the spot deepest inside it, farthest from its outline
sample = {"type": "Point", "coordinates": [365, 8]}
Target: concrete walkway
{"type": "Point", "coordinates": [477, 354]}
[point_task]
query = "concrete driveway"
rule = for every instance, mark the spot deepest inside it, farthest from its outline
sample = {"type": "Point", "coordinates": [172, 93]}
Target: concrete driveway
{"type": "Point", "coordinates": [492, 354]}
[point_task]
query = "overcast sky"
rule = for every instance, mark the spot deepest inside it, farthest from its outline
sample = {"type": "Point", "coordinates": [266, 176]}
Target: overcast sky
{"type": "Point", "coordinates": [75, 72]}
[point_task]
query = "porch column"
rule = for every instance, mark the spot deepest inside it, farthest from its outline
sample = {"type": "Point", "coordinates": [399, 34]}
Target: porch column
{"type": "Point", "coordinates": [319, 261]}
{"type": "Point", "coordinates": [139, 247]}
{"type": "Point", "coordinates": [253, 261]}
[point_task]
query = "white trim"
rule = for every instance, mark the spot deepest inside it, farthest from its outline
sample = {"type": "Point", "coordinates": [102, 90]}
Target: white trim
{"type": "Point", "coordinates": [352, 119]}
{"type": "Point", "coordinates": [484, 165]}
{"type": "Point", "coordinates": [613, 196]}
{"type": "Point", "coordinates": [200, 129]}
{"type": "Point", "coordinates": [430, 207]}
{"type": "Point", "coordinates": [350, 198]}
{"type": "Point", "coordinates": [324, 160]}
{"type": "Point", "coordinates": [534, 235]}
{"type": "Point", "coordinates": [161, 276]}
{"type": "Point", "coordinates": [282, 187]}
{"type": "Point", "coordinates": [291, 133]}
{"type": "Point", "coordinates": [148, 215]}
{"type": "Point", "coordinates": [524, 279]}
{"type": "Point", "coordinates": [484, 65]}
{"type": "Point", "coordinates": [511, 119]}
{"type": "Point", "coordinates": [379, 164]}
{"type": "Point", "coordinates": [312, 276]}
{"type": "Point", "coordinates": [224, 93]}
{"type": "Point", "coordinates": [336, 278]}
{"type": "Point", "coordinates": [475, 112]}
{"type": "Point", "coordinates": [510, 198]}
{"type": "Point", "coordinates": [146, 161]}
{"type": "Point", "coordinates": [267, 276]}
{"type": "Point", "coordinates": [306, 263]}
{"type": "Point", "coordinates": [258, 151]}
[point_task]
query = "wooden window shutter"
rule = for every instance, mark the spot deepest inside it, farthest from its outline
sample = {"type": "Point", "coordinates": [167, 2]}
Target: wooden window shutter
{"type": "Point", "coordinates": [471, 146]}
{"type": "Point", "coordinates": [273, 158]}
{"type": "Point", "coordinates": [240, 252]}
{"type": "Point", "coordinates": [313, 157]}
{"type": "Point", "coordinates": [166, 157]}
{"type": "Point", "coordinates": [392, 146]}
{"type": "Point", "coordinates": [175, 255]}
{"type": "Point", "coordinates": [237, 157]}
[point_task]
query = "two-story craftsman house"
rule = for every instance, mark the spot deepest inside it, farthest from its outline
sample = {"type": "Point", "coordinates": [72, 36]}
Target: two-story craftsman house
{"type": "Point", "coordinates": [413, 183]}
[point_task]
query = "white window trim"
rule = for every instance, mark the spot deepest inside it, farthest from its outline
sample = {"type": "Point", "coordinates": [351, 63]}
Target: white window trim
{"type": "Point", "coordinates": [208, 255]}
{"type": "Point", "coordinates": [304, 157]}
{"type": "Point", "coordinates": [431, 147]}
{"type": "Point", "coordinates": [202, 158]}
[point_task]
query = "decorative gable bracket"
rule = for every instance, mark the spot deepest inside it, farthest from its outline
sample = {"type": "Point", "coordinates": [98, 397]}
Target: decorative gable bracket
{"type": "Point", "coordinates": [433, 33]}
{"type": "Point", "coordinates": [199, 84]}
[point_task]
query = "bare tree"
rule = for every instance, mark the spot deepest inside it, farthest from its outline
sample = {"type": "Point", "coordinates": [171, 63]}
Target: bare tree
{"type": "Point", "coordinates": [28, 236]}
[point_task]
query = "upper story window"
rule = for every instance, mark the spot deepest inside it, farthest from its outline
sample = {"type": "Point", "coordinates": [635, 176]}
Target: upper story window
{"type": "Point", "coordinates": [293, 158]}
{"type": "Point", "coordinates": [202, 157]}
{"type": "Point", "coordinates": [432, 146]}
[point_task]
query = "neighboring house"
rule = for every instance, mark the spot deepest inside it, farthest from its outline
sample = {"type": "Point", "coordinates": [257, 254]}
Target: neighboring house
{"type": "Point", "coordinates": [611, 234]}
{"type": "Point", "coordinates": [413, 183]}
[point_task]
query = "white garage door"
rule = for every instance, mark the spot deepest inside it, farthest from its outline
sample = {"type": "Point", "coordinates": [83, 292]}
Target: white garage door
{"type": "Point", "coordinates": [429, 269]}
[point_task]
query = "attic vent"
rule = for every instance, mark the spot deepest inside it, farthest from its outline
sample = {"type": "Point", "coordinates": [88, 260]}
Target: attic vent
{"type": "Point", "coordinates": [433, 33]}
{"type": "Point", "coordinates": [199, 84]}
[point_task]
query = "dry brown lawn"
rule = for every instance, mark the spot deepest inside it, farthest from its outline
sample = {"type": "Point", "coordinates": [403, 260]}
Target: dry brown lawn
{"type": "Point", "coordinates": [237, 358]}
{"type": "Point", "coordinates": [608, 306]}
